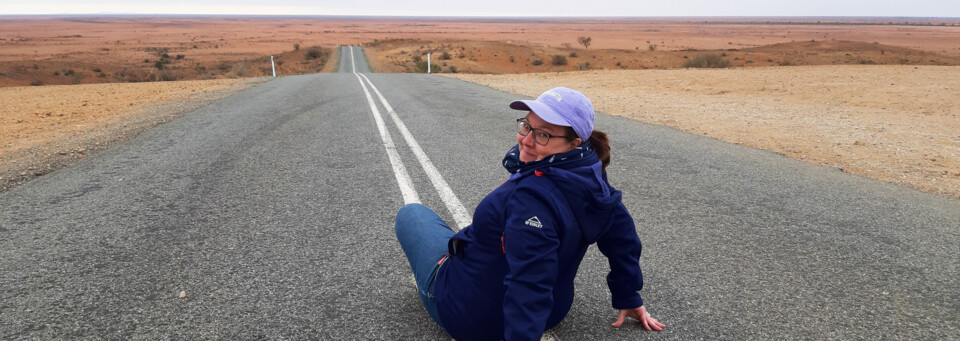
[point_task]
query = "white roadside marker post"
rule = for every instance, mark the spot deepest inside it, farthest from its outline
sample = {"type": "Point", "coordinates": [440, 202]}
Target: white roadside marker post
{"type": "Point", "coordinates": [428, 63]}
{"type": "Point", "coordinates": [273, 67]}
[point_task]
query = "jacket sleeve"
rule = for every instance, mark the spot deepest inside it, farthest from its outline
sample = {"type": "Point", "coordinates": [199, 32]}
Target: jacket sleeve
{"type": "Point", "coordinates": [530, 243]}
{"type": "Point", "coordinates": [621, 245]}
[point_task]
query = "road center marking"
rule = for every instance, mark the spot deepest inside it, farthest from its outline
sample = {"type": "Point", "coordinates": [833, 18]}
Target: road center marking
{"type": "Point", "coordinates": [459, 213]}
{"type": "Point", "coordinates": [403, 179]}
{"type": "Point", "coordinates": [453, 203]}
{"type": "Point", "coordinates": [352, 61]}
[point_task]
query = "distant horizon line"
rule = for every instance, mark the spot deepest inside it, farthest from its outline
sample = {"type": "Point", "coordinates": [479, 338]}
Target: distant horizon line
{"type": "Point", "coordinates": [360, 16]}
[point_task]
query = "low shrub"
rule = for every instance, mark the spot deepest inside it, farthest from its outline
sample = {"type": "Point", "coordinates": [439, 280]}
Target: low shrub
{"type": "Point", "coordinates": [167, 76]}
{"type": "Point", "coordinates": [36, 83]}
{"type": "Point", "coordinates": [559, 60]}
{"type": "Point", "coordinates": [239, 69]}
{"type": "Point", "coordinates": [709, 60]}
{"type": "Point", "coordinates": [536, 62]}
{"type": "Point", "coordinates": [422, 67]}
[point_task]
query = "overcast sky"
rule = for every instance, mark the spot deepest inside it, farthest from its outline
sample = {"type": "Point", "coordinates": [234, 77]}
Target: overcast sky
{"type": "Point", "coordinates": [614, 8]}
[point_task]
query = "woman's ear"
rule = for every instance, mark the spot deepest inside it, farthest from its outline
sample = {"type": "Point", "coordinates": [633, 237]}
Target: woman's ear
{"type": "Point", "coordinates": [576, 143]}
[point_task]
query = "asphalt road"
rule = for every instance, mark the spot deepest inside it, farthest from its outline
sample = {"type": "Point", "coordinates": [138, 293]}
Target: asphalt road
{"type": "Point", "coordinates": [272, 210]}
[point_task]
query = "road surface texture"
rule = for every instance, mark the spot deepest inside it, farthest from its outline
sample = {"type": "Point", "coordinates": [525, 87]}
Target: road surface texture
{"type": "Point", "coordinates": [271, 212]}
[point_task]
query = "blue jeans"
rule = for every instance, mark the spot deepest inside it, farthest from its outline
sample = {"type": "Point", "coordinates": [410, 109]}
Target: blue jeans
{"type": "Point", "coordinates": [423, 237]}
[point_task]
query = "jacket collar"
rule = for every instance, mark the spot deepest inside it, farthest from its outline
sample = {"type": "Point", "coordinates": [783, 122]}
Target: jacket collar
{"type": "Point", "coordinates": [573, 158]}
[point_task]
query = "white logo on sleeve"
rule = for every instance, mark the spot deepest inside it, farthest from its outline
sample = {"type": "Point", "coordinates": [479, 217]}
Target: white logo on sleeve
{"type": "Point", "coordinates": [534, 221]}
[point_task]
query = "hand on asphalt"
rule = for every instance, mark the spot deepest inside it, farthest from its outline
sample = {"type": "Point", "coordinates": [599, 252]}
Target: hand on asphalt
{"type": "Point", "coordinates": [639, 314]}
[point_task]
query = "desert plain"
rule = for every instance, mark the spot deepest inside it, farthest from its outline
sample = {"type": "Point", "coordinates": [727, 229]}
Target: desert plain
{"type": "Point", "coordinates": [875, 97]}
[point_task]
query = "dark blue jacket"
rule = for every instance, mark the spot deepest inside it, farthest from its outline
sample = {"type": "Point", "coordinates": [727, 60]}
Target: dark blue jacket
{"type": "Point", "coordinates": [511, 274]}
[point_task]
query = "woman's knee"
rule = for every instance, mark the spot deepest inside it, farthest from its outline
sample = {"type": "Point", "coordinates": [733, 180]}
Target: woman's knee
{"type": "Point", "coordinates": [409, 208]}
{"type": "Point", "coordinates": [407, 215]}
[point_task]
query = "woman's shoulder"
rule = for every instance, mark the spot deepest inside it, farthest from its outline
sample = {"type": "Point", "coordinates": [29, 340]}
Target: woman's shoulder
{"type": "Point", "coordinates": [536, 180]}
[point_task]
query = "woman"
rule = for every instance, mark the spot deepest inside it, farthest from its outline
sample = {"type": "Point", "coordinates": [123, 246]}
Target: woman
{"type": "Point", "coordinates": [510, 274]}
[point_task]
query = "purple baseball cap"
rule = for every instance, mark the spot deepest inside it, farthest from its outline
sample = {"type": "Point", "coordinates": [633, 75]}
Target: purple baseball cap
{"type": "Point", "coordinates": [563, 107]}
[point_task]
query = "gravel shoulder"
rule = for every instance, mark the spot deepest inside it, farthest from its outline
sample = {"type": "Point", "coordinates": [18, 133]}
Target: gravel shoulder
{"type": "Point", "coordinates": [46, 128]}
{"type": "Point", "coordinates": [899, 124]}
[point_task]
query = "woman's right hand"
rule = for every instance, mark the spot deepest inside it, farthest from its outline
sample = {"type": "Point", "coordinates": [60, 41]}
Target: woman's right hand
{"type": "Point", "coordinates": [639, 314]}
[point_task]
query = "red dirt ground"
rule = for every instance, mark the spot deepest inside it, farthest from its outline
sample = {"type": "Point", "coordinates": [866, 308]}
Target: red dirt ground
{"type": "Point", "coordinates": [122, 49]}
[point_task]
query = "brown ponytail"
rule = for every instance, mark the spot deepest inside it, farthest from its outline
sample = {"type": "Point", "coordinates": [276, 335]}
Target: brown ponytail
{"type": "Point", "coordinates": [601, 144]}
{"type": "Point", "coordinates": [599, 141]}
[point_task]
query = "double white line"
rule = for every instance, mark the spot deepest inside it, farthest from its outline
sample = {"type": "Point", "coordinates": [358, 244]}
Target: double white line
{"type": "Point", "coordinates": [410, 196]}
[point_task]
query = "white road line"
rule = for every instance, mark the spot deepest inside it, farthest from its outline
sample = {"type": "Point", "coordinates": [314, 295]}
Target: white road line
{"type": "Point", "coordinates": [352, 61]}
{"type": "Point", "coordinates": [446, 193]}
{"type": "Point", "coordinates": [403, 179]}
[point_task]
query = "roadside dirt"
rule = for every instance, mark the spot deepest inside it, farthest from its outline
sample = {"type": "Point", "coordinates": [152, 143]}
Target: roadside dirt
{"type": "Point", "coordinates": [899, 124]}
{"type": "Point", "coordinates": [458, 56]}
{"type": "Point", "coordinates": [63, 50]}
{"type": "Point", "coordinates": [46, 128]}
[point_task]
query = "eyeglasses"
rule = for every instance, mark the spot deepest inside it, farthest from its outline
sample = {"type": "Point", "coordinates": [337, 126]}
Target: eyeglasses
{"type": "Point", "coordinates": [540, 136]}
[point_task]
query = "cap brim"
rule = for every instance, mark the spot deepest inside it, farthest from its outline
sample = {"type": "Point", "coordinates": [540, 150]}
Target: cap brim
{"type": "Point", "coordinates": [541, 110]}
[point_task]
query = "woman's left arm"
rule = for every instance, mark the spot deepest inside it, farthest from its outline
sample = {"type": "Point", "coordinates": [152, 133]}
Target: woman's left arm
{"type": "Point", "coordinates": [530, 244]}
{"type": "Point", "coordinates": [622, 247]}
{"type": "Point", "coordinates": [639, 314]}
